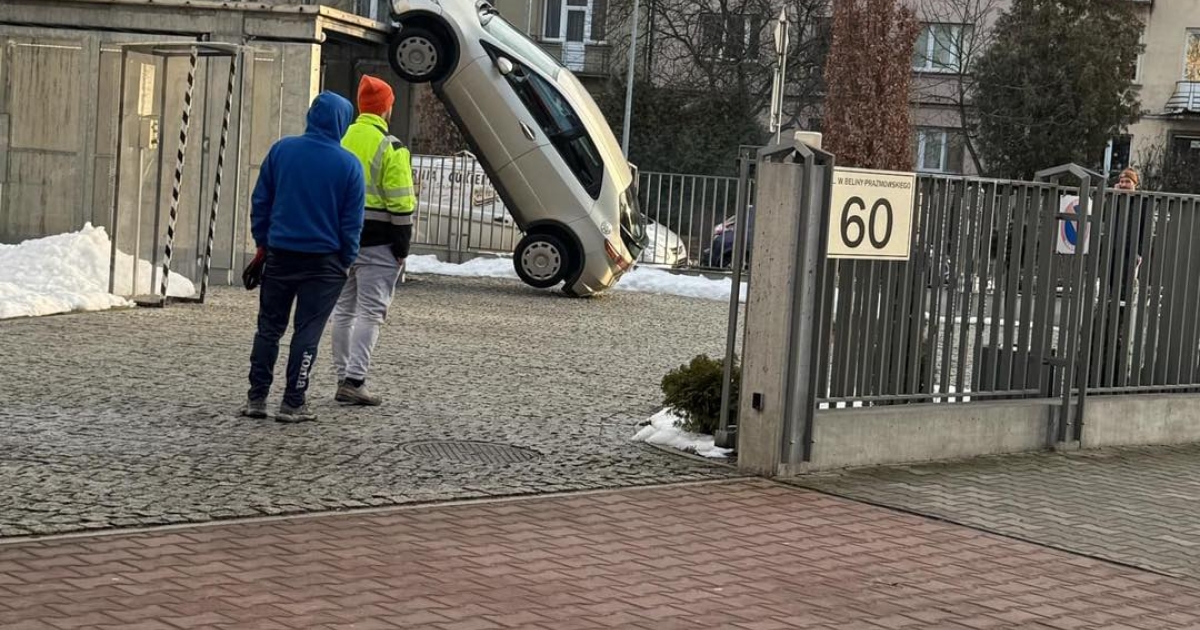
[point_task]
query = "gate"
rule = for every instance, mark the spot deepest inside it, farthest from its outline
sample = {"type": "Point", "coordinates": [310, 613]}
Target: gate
{"type": "Point", "coordinates": [1017, 301]}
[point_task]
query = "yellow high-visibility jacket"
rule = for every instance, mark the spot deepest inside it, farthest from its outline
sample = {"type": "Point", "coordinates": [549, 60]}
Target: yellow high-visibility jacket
{"type": "Point", "coordinates": [387, 167]}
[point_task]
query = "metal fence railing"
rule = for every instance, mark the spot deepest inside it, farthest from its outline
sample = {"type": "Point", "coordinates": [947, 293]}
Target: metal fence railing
{"type": "Point", "coordinates": [1050, 291]}
{"type": "Point", "coordinates": [997, 301]}
{"type": "Point", "coordinates": [690, 218]}
{"type": "Point", "coordinates": [975, 310]}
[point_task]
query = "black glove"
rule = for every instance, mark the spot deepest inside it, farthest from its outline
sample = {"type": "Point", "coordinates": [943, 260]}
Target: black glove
{"type": "Point", "coordinates": [252, 275]}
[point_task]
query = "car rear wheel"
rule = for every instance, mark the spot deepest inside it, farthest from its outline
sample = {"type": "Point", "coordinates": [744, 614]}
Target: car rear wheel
{"type": "Point", "coordinates": [542, 260]}
{"type": "Point", "coordinates": [419, 55]}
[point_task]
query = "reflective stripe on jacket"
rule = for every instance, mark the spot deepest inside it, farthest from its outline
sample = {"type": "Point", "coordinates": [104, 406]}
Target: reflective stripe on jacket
{"type": "Point", "coordinates": [387, 166]}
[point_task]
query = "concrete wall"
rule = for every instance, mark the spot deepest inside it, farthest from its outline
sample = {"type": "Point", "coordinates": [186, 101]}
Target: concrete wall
{"type": "Point", "coordinates": [1150, 419]}
{"type": "Point", "coordinates": [905, 434]}
{"type": "Point", "coordinates": [917, 433]}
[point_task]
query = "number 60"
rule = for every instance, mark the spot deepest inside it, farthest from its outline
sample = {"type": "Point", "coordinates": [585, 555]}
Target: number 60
{"type": "Point", "coordinates": [849, 219]}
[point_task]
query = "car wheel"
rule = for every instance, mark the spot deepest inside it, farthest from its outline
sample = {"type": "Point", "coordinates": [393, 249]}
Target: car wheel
{"type": "Point", "coordinates": [542, 260]}
{"type": "Point", "coordinates": [419, 55]}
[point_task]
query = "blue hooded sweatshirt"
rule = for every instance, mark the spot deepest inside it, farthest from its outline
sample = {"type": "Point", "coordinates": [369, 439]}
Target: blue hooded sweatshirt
{"type": "Point", "coordinates": [310, 192]}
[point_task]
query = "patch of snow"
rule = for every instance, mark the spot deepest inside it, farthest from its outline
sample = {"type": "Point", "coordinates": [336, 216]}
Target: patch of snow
{"type": "Point", "coordinates": [664, 430]}
{"type": "Point", "coordinates": [69, 272]}
{"type": "Point", "coordinates": [474, 268]}
{"type": "Point", "coordinates": [954, 390]}
{"type": "Point", "coordinates": [648, 280]}
{"type": "Point", "coordinates": [641, 279]}
{"type": "Point", "coordinates": [858, 404]}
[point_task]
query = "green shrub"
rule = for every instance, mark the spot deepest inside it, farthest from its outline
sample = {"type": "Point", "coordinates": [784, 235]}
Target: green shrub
{"type": "Point", "coordinates": [693, 391]}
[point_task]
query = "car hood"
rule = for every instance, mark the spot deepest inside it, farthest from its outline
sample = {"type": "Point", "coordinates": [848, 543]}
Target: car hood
{"type": "Point", "coordinates": [598, 129]}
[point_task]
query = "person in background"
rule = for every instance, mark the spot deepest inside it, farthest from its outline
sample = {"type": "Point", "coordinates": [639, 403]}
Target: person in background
{"type": "Point", "coordinates": [306, 216]}
{"type": "Point", "coordinates": [1123, 283]}
{"type": "Point", "coordinates": [390, 204]}
{"type": "Point", "coordinates": [1128, 180]}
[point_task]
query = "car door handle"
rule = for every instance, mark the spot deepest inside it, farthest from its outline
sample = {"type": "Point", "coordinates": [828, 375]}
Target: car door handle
{"type": "Point", "coordinates": [528, 132]}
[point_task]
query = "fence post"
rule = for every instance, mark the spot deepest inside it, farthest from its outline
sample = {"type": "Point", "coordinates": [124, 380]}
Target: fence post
{"type": "Point", "coordinates": [777, 402]}
{"type": "Point", "coordinates": [115, 215]}
{"type": "Point", "coordinates": [726, 434]}
{"type": "Point", "coordinates": [1080, 314]}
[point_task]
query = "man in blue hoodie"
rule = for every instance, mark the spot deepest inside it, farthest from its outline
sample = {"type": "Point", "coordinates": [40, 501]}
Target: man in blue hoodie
{"type": "Point", "coordinates": [307, 217]}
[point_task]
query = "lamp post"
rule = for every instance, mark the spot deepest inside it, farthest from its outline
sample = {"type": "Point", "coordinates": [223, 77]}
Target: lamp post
{"type": "Point", "coordinates": [778, 87]}
{"type": "Point", "coordinates": [629, 83]}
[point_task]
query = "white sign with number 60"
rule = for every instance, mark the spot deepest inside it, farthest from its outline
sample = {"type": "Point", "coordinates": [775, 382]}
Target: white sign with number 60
{"type": "Point", "coordinates": [871, 214]}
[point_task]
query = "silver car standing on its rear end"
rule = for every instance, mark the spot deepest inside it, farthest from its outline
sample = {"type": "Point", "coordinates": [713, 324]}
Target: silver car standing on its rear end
{"type": "Point", "coordinates": [539, 136]}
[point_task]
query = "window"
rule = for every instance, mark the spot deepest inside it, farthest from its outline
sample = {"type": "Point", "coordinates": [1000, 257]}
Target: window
{"type": "Point", "coordinates": [942, 48]}
{"type": "Point", "coordinates": [554, 15]}
{"type": "Point", "coordinates": [938, 150]}
{"type": "Point", "coordinates": [1191, 62]}
{"type": "Point", "coordinates": [730, 37]}
{"type": "Point", "coordinates": [561, 125]}
{"type": "Point", "coordinates": [1137, 70]}
{"type": "Point", "coordinates": [1185, 148]}
{"type": "Point", "coordinates": [1119, 158]}
{"type": "Point", "coordinates": [575, 23]}
{"type": "Point", "coordinates": [518, 44]}
{"type": "Point", "coordinates": [575, 20]}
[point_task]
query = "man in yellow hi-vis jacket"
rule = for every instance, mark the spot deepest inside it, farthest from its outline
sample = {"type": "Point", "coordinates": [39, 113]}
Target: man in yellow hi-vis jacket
{"type": "Point", "coordinates": [387, 231]}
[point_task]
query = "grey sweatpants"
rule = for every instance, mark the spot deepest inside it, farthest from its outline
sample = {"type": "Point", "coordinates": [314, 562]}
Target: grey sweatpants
{"type": "Point", "coordinates": [361, 310]}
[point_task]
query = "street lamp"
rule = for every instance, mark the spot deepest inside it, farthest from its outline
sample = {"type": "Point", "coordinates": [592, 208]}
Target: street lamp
{"type": "Point", "coordinates": [778, 88]}
{"type": "Point", "coordinates": [629, 83]}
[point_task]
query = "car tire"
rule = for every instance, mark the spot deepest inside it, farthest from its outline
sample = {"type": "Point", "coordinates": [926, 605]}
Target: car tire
{"type": "Point", "coordinates": [419, 55]}
{"type": "Point", "coordinates": [542, 260]}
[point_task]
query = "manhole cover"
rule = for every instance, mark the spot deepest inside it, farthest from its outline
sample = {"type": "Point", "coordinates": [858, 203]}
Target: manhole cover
{"type": "Point", "coordinates": [472, 452]}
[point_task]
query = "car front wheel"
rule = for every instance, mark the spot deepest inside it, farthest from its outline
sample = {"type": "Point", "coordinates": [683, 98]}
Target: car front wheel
{"type": "Point", "coordinates": [542, 260]}
{"type": "Point", "coordinates": [419, 55]}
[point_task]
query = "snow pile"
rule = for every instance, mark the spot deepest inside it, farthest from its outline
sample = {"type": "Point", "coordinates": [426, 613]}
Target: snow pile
{"type": "Point", "coordinates": [474, 268]}
{"type": "Point", "coordinates": [641, 279]}
{"type": "Point", "coordinates": [664, 430]}
{"type": "Point", "coordinates": [69, 272]}
{"type": "Point", "coordinates": [647, 280]}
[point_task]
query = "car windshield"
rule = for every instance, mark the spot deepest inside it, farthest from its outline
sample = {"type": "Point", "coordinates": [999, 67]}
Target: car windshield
{"type": "Point", "coordinates": [517, 43]}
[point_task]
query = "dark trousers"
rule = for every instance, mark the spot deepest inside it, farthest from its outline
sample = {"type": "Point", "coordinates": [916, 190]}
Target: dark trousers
{"type": "Point", "coordinates": [310, 281]}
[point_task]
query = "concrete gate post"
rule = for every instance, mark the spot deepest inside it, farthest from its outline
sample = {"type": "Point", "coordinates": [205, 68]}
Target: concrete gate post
{"type": "Point", "coordinates": [779, 370]}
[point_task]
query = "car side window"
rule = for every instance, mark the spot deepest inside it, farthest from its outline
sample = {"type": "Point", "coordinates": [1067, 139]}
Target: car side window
{"type": "Point", "coordinates": [561, 125]}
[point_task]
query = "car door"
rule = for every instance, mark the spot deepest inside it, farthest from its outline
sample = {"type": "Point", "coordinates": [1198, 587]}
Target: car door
{"type": "Point", "coordinates": [500, 126]}
{"type": "Point", "coordinates": [567, 167]}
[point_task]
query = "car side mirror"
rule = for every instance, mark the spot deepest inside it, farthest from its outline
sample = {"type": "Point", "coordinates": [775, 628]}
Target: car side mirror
{"type": "Point", "coordinates": [504, 66]}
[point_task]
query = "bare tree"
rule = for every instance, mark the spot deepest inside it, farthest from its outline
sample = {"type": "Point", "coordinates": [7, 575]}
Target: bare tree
{"type": "Point", "coordinates": [727, 47]}
{"type": "Point", "coordinates": [956, 34]}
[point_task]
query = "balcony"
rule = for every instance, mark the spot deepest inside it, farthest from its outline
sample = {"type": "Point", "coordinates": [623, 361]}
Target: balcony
{"type": "Point", "coordinates": [590, 60]}
{"type": "Point", "coordinates": [1186, 99]}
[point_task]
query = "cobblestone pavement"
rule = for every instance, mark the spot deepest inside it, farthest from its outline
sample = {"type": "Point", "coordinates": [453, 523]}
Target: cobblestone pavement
{"type": "Point", "coordinates": [1139, 506]}
{"type": "Point", "coordinates": [129, 418]}
{"type": "Point", "coordinates": [745, 555]}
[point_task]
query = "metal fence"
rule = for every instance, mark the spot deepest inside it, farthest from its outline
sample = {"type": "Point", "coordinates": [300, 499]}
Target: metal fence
{"type": "Point", "coordinates": [1048, 290]}
{"type": "Point", "coordinates": [1018, 290]}
{"type": "Point", "coordinates": [690, 217]}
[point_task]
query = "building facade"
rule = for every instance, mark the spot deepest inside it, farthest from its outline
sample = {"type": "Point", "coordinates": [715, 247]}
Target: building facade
{"type": "Point", "coordinates": [62, 103]}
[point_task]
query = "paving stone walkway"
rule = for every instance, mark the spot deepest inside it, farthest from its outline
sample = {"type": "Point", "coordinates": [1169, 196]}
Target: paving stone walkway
{"type": "Point", "coordinates": [122, 419]}
{"type": "Point", "coordinates": [1134, 505]}
{"type": "Point", "coordinates": [747, 555]}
